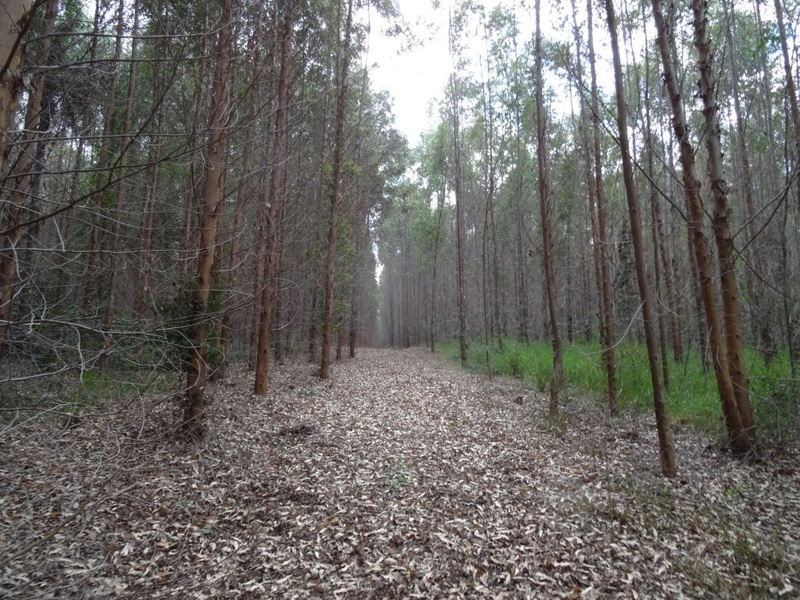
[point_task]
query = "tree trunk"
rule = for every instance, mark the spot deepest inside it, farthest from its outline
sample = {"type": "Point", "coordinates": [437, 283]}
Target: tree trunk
{"type": "Point", "coordinates": [655, 221]}
{"type": "Point", "coordinates": [194, 406]}
{"type": "Point", "coordinates": [353, 330]}
{"type": "Point", "coordinates": [11, 33]}
{"type": "Point", "coordinates": [490, 178]}
{"type": "Point", "coordinates": [459, 192]}
{"type": "Point", "coordinates": [275, 202]}
{"type": "Point", "coordinates": [667, 451]}
{"type": "Point", "coordinates": [602, 243]}
{"type": "Point", "coordinates": [440, 210]}
{"type": "Point", "coordinates": [791, 88]}
{"type": "Point", "coordinates": [557, 378]}
{"type": "Point", "coordinates": [312, 327]}
{"type": "Point", "coordinates": [104, 173]}
{"type": "Point", "coordinates": [119, 200]}
{"type": "Point", "coordinates": [336, 192]}
{"type": "Point", "coordinates": [235, 256]}
{"type": "Point", "coordinates": [192, 196]}
{"type": "Point", "coordinates": [146, 257]}
{"type": "Point", "coordinates": [758, 308]}
{"type": "Point", "coordinates": [15, 18]}
{"type": "Point", "coordinates": [733, 421]}
{"type": "Point", "coordinates": [725, 251]}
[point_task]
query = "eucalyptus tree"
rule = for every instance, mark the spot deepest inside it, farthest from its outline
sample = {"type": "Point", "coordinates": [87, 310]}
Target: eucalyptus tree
{"type": "Point", "coordinates": [346, 48]}
{"type": "Point", "coordinates": [791, 88]}
{"type": "Point", "coordinates": [277, 194]}
{"type": "Point", "coordinates": [160, 79]}
{"type": "Point", "coordinates": [556, 379]}
{"type": "Point", "coordinates": [380, 160]}
{"type": "Point", "coordinates": [490, 272]}
{"type": "Point", "coordinates": [343, 58]}
{"type": "Point", "coordinates": [12, 25]}
{"type": "Point", "coordinates": [790, 297]}
{"type": "Point", "coordinates": [105, 168]}
{"type": "Point", "coordinates": [433, 169]}
{"type": "Point", "coordinates": [592, 143]}
{"type": "Point", "coordinates": [409, 237]}
{"type": "Point", "coordinates": [15, 18]}
{"type": "Point", "coordinates": [726, 254]}
{"type": "Point", "coordinates": [119, 191]}
{"type": "Point", "coordinates": [516, 170]}
{"type": "Point", "coordinates": [456, 23]}
{"type": "Point", "coordinates": [755, 248]}
{"type": "Point", "coordinates": [739, 439]}
{"type": "Point", "coordinates": [666, 448]}
{"type": "Point", "coordinates": [194, 405]}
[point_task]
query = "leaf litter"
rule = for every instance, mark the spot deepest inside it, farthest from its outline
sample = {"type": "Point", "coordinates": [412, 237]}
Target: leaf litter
{"type": "Point", "coordinates": [401, 477]}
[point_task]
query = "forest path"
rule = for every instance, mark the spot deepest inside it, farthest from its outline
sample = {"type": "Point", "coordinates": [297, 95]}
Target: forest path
{"type": "Point", "coordinates": [400, 477]}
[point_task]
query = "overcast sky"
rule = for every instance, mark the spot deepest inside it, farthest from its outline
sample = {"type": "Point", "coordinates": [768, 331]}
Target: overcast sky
{"type": "Point", "coordinates": [414, 77]}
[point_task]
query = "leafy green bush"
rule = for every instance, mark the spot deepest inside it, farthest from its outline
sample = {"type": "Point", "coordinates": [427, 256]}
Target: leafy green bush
{"type": "Point", "coordinates": [179, 325]}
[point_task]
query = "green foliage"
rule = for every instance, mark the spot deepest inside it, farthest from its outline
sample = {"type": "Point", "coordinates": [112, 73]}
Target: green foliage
{"type": "Point", "coordinates": [775, 396]}
{"type": "Point", "coordinates": [91, 388]}
{"type": "Point", "coordinates": [400, 475]}
{"type": "Point", "coordinates": [692, 398]}
{"type": "Point", "coordinates": [73, 392]}
{"type": "Point", "coordinates": [178, 314]}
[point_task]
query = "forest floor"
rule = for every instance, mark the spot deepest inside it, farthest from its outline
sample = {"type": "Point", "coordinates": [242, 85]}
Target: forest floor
{"type": "Point", "coordinates": [401, 477]}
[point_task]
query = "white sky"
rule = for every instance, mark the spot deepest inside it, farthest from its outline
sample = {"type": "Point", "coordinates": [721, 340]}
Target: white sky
{"type": "Point", "coordinates": [414, 78]}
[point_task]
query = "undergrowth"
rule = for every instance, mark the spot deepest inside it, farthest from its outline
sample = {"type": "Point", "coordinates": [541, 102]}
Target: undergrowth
{"type": "Point", "coordinates": [73, 392]}
{"type": "Point", "coordinates": [692, 396]}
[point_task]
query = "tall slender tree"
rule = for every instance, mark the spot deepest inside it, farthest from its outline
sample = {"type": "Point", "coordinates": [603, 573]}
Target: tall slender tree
{"type": "Point", "coordinates": [276, 200]}
{"type": "Point", "coordinates": [739, 439]}
{"type": "Point", "coordinates": [22, 180]}
{"type": "Point", "coordinates": [557, 377]}
{"type": "Point", "coordinates": [458, 188]}
{"type": "Point", "coordinates": [597, 192]}
{"type": "Point", "coordinates": [722, 231]}
{"type": "Point", "coordinates": [15, 18]}
{"type": "Point", "coordinates": [335, 197]}
{"type": "Point", "coordinates": [119, 191]}
{"type": "Point", "coordinates": [666, 448]}
{"type": "Point", "coordinates": [194, 406]}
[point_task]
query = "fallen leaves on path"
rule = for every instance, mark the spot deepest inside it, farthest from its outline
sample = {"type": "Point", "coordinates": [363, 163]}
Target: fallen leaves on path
{"type": "Point", "coordinates": [400, 477]}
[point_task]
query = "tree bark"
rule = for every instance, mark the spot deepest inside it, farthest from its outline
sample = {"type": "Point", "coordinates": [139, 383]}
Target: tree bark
{"type": "Point", "coordinates": [666, 449]}
{"type": "Point", "coordinates": [194, 406]}
{"type": "Point", "coordinates": [336, 192]}
{"type": "Point", "coordinates": [459, 192]}
{"type": "Point", "coordinates": [737, 436]}
{"type": "Point", "coordinates": [655, 221]}
{"type": "Point", "coordinates": [275, 202]}
{"type": "Point", "coordinates": [602, 244]}
{"type": "Point", "coordinates": [557, 377]}
{"type": "Point", "coordinates": [725, 251]}
{"type": "Point", "coordinates": [13, 21]}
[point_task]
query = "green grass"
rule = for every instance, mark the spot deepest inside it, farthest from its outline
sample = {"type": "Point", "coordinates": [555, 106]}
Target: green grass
{"type": "Point", "coordinates": [692, 396]}
{"type": "Point", "coordinates": [93, 387]}
{"type": "Point", "coordinates": [74, 391]}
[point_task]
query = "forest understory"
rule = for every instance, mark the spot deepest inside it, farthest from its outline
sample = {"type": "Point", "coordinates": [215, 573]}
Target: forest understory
{"type": "Point", "coordinates": [401, 477]}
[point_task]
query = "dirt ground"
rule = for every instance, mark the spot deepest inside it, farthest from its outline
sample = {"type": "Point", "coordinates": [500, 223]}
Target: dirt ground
{"type": "Point", "coordinates": [401, 477]}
